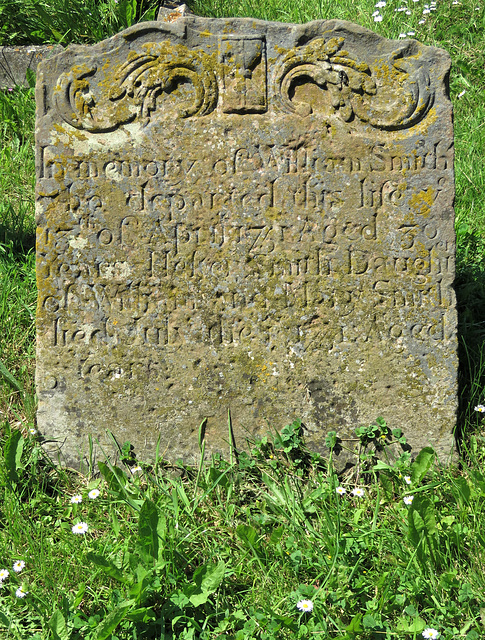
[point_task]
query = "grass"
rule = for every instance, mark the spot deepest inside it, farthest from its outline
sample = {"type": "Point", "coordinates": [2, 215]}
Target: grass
{"type": "Point", "coordinates": [64, 21]}
{"type": "Point", "coordinates": [229, 549]}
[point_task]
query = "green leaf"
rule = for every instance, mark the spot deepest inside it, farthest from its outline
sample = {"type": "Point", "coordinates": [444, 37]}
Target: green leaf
{"type": "Point", "coordinates": [379, 466]}
{"type": "Point", "coordinates": [410, 610]}
{"type": "Point", "coordinates": [107, 566]}
{"type": "Point", "coordinates": [210, 576]}
{"type": "Point", "coordinates": [148, 529]}
{"type": "Point", "coordinates": [57, 625]}
{"type": "Point", "coordinates": [422, 531]}
{"type": "Point", "coordinates": [207, 579]}
{"type": "Point", "coordinates": [387, 485]}
{"type": "Point", "coordinates": [4, 620]}
{"type": "Point", "coordinates": [117, 483]}
{"type": "Point", "coordinates": [143, 614]}
{"type": "Point", "coordinates": [424, 507]}
{"type": "Point", "coordinates": [331, 439]}
{"type": "Point", "coordinates": [421, 465]}
{"type": "Point", "coordinates": [5, 373]}
{"type": "Point", "coordinates": [13, 454]}
{"type": "Point", "coordinates": [415, 625]}
{"type": "Point", "coordinates": [248, 535]}
{"type": "Point", "coordinates": [143, 578]}
{"type": "Point", "coordinates": [112, 620]}
{"type": "Point", "coordinates": [130, 12]}
{"type": "Point", "coordinates": [369, 622]}
{"type": "Point", "coordinates": [355, 624]}
{"type": "Point", "coordinates": [276, 535]}
{"type": "Point", "coordinates": [463, 489]}
{"type": "Point", "coordinates": [115, 477]}
{"type": "Point", "coordinates": [115, 523]}
{"type": "Point", "coordinates": [79, 596]}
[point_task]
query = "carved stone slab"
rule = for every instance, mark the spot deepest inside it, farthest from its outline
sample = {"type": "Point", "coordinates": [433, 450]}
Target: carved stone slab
{"type": "Point", "coordinates": [234, 214]}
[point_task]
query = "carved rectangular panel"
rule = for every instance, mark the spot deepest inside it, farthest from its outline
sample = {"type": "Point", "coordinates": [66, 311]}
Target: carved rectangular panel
{"type": "Point", "coordinates": [243, 215]}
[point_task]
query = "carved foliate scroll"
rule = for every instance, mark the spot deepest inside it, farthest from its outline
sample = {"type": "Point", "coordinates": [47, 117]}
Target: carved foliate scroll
{"type": "Point", "coordinates": [393, 93]}
{"type": "Point", "coordinates": [136, 88]}
{"type": "Point", "coordinates": [349, 88]}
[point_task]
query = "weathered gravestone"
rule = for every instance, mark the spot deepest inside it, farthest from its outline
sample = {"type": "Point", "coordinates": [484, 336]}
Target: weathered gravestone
{"type": "Point", "coordinates": [234, 214]}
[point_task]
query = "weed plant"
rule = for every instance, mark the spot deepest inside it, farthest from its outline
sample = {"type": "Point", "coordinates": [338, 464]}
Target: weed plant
{"type": "Point", "coordinates": [271, 544]}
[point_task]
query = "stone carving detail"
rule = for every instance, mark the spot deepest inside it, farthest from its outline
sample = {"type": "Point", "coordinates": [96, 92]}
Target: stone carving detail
{"type": "Point", "coordinates": [351, 86]}
{"type": "Point", "coordinates": [243, 73]}
{"type": "Point", "coordinates": [147, 76]}
{"type": "Point", "coordinates": [138, 85]}
{"type": "Point", "coordinates": [394, 96]}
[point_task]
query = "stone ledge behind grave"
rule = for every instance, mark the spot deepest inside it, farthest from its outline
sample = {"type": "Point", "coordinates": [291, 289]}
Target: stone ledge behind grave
{"type": "Point", "coordinates": [235, 214]}
{"type": "Point", "coordinates": [14, 62]}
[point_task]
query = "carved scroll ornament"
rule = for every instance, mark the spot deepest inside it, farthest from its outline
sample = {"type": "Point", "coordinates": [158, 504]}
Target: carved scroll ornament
{"type": "Point", "coordinates": [395, 95]}
{"type": "Point", "coordinates": [86, 100]}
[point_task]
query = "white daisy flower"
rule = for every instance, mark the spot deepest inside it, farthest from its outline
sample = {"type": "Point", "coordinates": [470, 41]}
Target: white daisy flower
{"type": "Point", "coordinates": [358, 492]}
{"type": "Point", "coordinates": [80, 528]}
{"type": "Point", "coordinates": [408, 499]}
{"type": "Point", "coordinates": [20, 593]}
{"type": "Point", "coordinates": [305, 605]}
{"type": "Point", "coordinates": [430, 634]}
{"type": "Point", "coordinates": [341, 491]}
{"type": "Point", "coordinates": [18, 566]}
{"type": "Point", "coordinates": [3, 574]}
{"type": "Point", "coordinates": [92, 495]}
{"type": "Point", "coordinates": [76, 499]}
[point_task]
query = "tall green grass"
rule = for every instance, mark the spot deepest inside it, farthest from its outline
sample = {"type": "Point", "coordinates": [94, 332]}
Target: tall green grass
{"type": "Point", "coordinates": [65, 21]}
{"type": "Point", "coordinates": [229, 550]}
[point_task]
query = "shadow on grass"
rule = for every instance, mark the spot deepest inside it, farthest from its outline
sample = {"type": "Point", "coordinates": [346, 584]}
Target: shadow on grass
{"type": "Point", "coordinates": [19, 242]}
{"type": "Point", "coordinates": [470, 294]}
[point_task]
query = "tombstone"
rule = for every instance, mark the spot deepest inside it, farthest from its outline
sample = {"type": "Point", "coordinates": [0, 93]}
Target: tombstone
{"type": "Point", "coordinates": [247, 216]}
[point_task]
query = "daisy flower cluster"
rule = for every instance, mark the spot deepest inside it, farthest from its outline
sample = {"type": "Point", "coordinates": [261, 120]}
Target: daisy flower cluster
{"type": "Point", "coordinates": [18, 566]}
{"type": "Point", "coordinates": [357, 492]}
{"type": "Point", "coordinates": [80, 528]}
{"type": "Point", "coordinates": [408, 8]}
{"type": "Point", "coordinates": [92, 495]}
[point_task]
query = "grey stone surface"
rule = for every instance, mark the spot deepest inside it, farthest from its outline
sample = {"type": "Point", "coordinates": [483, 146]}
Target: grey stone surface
{"type": "Point", "coordinates": [234, 214]}
{"type": "Point", "coordinates": [14, 62]}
